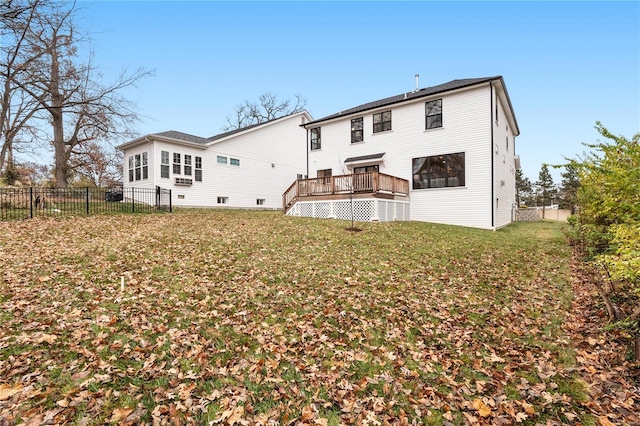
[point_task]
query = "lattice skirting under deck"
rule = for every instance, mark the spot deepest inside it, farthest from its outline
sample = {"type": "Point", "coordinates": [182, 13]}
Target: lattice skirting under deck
{"type": "Point", "coordinates": [364, 210]}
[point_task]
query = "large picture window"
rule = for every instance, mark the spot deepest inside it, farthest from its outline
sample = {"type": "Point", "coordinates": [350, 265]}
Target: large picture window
{"type": "Point", "coordinates": [439, 171]}
{"type": "Point", "coordinates": [315, 138]}
{"type": "Point", "coordinates": [357, 130]}
{"type": "Point", "coordinates": [382, 122]}
{"type": "Point", "coordinates": [164, 164]}
{"type": "Point", "coordinates": [433, 111]}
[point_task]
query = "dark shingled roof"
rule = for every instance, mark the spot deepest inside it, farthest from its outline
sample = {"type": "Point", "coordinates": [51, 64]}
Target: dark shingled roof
{"type": "Point", "coordinates": [427, 91]}
{"type": "Point", "coordinates": [182, 136]}
{"type": "Point", "coordinates": [365, 157]}
{"type": "Point", "coordinates": [233, 132]}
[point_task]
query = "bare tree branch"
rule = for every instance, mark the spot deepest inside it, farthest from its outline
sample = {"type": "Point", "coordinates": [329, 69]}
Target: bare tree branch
{"type": "Point", "coordinates": [266, 109]}
{"type": "Point", "coordinates": [66, 91]}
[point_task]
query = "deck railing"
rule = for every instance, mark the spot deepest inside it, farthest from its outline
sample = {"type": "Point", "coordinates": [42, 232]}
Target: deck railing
{"type": "Point", "coordinates": [357, 183]}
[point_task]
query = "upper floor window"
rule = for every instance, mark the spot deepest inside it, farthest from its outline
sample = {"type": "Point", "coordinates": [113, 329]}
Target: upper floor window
{"type": "Point", "coordinates": [198, 171]}
{"type": "Point", "coordinates": [221, 160]}
{"type": "Point", "coordinates": [164, 164]}
{"type": "Point", "coordinates": [382, 122]}
{"type": "Point", "coordinates": [234, 161]}
{"type": "Point", "coordinates": [439, 171]}
{"type": "Point", "coordinates": [187, 165]}
{"type": "Point", "coordinates": [506, 129]}
{"type": "Point", "coordinates": [357, 130]}
{"type": "Point", "coordinates": [176, 163]}
{"type": "Point", "coordinates": [315, 138]}
{"type": "Point", "coordinates": [433, 111]}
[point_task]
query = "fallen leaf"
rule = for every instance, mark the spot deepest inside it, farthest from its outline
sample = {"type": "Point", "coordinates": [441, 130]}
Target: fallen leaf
{"type": "Point", "coordinates": [48, 338]}
{"type": "Point", "coordinates": [7, 391]}
{"type": "Point", "coordinates": [236, 415]}
{"type": "Point", "coordinates": [481, 407]}
{"type": "Point", "coordinates": [120, 414]}
{"type": "Point", "coordinates": [604, 421]}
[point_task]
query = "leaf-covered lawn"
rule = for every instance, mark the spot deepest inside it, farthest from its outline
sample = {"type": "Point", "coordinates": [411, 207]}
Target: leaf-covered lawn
{"type": "Point", "coordinates": [258, 318]}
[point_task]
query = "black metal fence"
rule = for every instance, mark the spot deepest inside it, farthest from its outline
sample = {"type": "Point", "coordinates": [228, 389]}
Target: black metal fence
{"type": "Point", "coordinates": [27, 203]}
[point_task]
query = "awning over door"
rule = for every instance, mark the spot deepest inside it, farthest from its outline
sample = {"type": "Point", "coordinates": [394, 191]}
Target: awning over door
{"type": "Point", "coordinates": [364, 160]}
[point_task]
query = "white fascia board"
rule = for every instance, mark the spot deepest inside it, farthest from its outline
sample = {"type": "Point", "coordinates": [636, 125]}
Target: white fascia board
{"type": "Point", "coordinates": [262, 126]}
{"type": "Point", "coordinates": [156, 138]}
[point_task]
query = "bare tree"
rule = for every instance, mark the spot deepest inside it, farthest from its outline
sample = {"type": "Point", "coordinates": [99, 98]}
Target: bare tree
{"type": "Point", "coordinates": [18, 109]}
{"type": "Point", "coordinates": [66, 90]}
{"type": "Point", "coordinates": [268, 108]}
{"type": "Point", "coordinates": [98, 165]}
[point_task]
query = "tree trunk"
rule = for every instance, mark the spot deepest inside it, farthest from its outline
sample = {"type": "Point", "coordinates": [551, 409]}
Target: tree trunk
{"type": "Point", "coordinates": [57, 119]}
{"type": "Point", "coordinates": [615, 313]}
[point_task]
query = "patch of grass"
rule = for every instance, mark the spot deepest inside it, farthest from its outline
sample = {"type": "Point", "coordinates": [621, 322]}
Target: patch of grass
{"type": "Point", "coordinates": [225, 309]}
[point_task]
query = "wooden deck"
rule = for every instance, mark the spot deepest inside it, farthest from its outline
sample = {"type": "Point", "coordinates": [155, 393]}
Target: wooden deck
{"type": "Point", "coordinates": [373, 184]}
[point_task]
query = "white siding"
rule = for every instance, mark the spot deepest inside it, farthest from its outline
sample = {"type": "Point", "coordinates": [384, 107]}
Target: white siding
{"type": "Point", "coordinates": [139, 149]}
{"type": "Point", "coordinates": [182, 195]}
{"type": "Point", "coordinates": [504, 169]}
{"type": "Point", "coordinates": [466, 118]}
{"type": "Point", "coordinates": [271, 157]}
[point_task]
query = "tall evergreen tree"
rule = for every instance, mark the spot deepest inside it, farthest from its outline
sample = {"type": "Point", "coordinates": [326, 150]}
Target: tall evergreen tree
{"type": "Point", "coordinates": [545, 187]}
{"type": "Point", "coordinates": [569, 186]}
{"type": "Point", "coordinates": [524, 189]}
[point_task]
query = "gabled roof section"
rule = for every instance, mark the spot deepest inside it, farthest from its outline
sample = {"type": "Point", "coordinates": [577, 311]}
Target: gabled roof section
{"type": "Point", "coordinates": [428, 91]}
{"type": "Point", "coordinates": [172, 134]}
{"type": "Point", "coordinates": [254, 126]}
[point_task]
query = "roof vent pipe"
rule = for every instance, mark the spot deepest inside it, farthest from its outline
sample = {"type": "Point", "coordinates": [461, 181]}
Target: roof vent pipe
{"type": "Point", "coordinates": [417, 82]}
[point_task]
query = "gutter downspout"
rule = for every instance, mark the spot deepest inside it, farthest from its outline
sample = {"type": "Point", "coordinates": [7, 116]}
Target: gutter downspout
{"type": "Point", "coordinates": [492, 166]}
{"type": "Point", "coordinates": [307, 148]}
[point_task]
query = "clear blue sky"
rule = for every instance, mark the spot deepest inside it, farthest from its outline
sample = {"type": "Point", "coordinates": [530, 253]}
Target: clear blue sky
{"type": "Point", "coordinates": [565, 64]}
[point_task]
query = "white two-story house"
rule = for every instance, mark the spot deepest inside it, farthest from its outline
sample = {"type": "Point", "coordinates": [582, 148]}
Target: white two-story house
{"type": "Point", "coordinates": [443, 154]}
{"type": "Point", "coordinates": [245, 168]}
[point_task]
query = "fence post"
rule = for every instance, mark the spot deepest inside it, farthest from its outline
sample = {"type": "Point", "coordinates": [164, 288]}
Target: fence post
{"type": "Point", "coordinates": [170, 209]}
{"type": "Point", "coordinates": [31, 200]}
{"type": "Point", "coordinates": [133, 200]}
{"type": "Point", "coordinates": [87, 200]}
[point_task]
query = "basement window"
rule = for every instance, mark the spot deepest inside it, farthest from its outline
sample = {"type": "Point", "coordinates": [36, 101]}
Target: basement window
{"type": "Point", "coordinates": [223, 200]}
